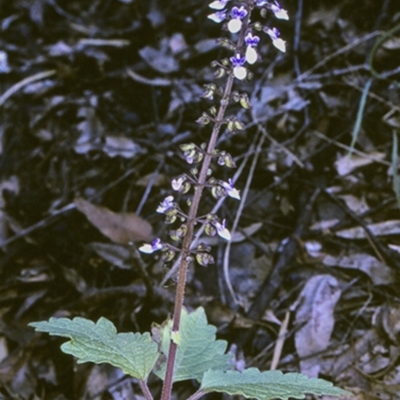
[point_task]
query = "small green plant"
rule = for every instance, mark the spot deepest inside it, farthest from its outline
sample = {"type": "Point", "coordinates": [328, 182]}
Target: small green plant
{"type": "Point", "coordinates": [185, 347]}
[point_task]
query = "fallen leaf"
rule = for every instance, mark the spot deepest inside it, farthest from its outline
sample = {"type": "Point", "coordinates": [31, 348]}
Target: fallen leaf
{"type": "Point", "coordinates": [346, 164]}
{"type": "Point", "coordinates": [120, 146]}
{"type": "Point", "coordinates": [121, 228]}
{"type": "Point", "coordinates": [379, 273]}
{"type": "Point", "coordinates": [378, 229]}
{"type": "Point", "coordinates": [316, 305]}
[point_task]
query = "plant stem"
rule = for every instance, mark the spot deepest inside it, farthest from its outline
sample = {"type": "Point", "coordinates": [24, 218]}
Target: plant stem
{"type": "Point", "coordinates": [198, 395]}
{"type": "Point", "coordinates": [145, 390]}
{"type": "Point", "coordinates": [191, 220]}
{"type": "Point", "coordinates": [182, 273]}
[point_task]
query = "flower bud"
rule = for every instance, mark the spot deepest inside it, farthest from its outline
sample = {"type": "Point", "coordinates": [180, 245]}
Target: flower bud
{"type": "Point", "coordinates": [209, 229]}
{"type": "Point", "coordinates": [168, 255]}
{"type": "Point", "coordinates": [186, 187]}
{"type": "Point", "coordinates": [213, 111]}
{"type": "Point", "coordinates": [187, 146]}
{"type": "Point", "coordinates": [204, 259]}
{"type": "Point", "coordinates": [244, 101]}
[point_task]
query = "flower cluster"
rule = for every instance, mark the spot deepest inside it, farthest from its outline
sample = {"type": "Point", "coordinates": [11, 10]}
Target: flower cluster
{"type": "Point", "coordinates": [245, 51]}
{"type": "Point", "coordinates": [235, 22]}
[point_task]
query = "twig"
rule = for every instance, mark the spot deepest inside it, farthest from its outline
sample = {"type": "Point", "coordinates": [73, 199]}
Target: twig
{"type": "Point", "coordinates": [18, 86]}
{"type": "Point", "coordinates": [238, 215]}
{"type": "Point", "coordinates": [280, 341]}
{"type": "Point", "coordinates": [337, 53]}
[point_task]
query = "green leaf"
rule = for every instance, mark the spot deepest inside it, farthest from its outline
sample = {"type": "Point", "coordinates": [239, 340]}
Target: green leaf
{"type": "Point", "coordinates": [135, 354]}
{"type": "Point", "coordinates": [198, 349]}
{"type": "Point", "coordinates": [267, 385]}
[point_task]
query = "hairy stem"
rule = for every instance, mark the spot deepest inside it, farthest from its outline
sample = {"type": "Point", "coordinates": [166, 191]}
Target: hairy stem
{"type": "Point", "coordinates": [187, 240]}
{"type": "Point", "coordinates": [145, 390]}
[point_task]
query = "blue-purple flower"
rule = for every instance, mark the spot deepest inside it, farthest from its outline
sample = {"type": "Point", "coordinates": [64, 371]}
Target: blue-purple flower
{"type": "Point", "coordinates": [239, 70]}
{"type": "Point", "coordinates": [230, 190]}
{"type": "Point", "coordinates": [274, 34]}
{"type": "Point", "coordinates": [237, 14]}
{"type": "Point", "coordinates": [165, 205]}
{"type": "Point", "coordinates": [155, 245]}
{"type": "Point", "coordinates": [251, 40]}
{"type": "Point", "coordinates": [222, 231]}
{"type": "Point", "coordinates": [218, 17]}
{"type": "Point", "coordinates": [278, 11]}
{"type": "Point", "coordinates": [251, 54]}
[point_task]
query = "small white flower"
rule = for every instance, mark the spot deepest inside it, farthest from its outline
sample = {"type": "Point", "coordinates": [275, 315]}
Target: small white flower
{"type": "Point", "coordinates": [239, 71]}
{"type": "Point", "coordinates": [165, 205]}
{"type": "Point", "coordinates": [218, 16]}
{"type": "Point", "coordinates": [177, 183]}
{"type": "Point", "coordinates": [251, 55]}
{"type": "Point", "coordinates": [280, 14]}
{"type": "Point", "coordinates": [237, 14]}
{"type": "Point", "coordinates": [151, 248]}
{"type": "Point", "coordinates": [230, 190]}
{"type": "Point", "coordinates": [218, 4]}
{"type": "Point", "coordinates": [278, 11]}
{"type": "Point", "coordinates": [222, 231]}
{"type": "Point", "coordinates": [276, 40]}
{"type": "Point", "coordinates": [234, 25]}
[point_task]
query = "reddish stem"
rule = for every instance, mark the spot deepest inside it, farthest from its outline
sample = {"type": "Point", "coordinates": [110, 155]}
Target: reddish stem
{"type": "Point", "coordinates": [191, 219]}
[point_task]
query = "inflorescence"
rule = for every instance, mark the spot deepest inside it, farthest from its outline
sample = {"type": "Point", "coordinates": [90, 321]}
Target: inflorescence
{"type": "Point", "coordinates": [236, 19]}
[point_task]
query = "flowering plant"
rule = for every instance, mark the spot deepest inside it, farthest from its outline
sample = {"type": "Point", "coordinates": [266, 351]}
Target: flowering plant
{"type": "Point", "coordinates": [185, 347]}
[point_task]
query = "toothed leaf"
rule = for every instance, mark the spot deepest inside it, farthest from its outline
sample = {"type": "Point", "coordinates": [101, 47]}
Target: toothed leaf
{"type": "Point", "coordinates": [198, 349]}
{"type": "Point", "coordinates": [135, 353]}
{"type": "Point", "coordinates": [267, 385]}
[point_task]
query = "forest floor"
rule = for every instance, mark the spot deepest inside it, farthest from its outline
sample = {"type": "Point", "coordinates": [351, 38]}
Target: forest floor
{"type": "Point", "coordinates": [95, 99]}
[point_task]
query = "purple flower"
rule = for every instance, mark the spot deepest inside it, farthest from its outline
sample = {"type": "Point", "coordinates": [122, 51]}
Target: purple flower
{"type": "Point", "coordinates": [222, 231]}
{"type": "Point", "coordinates": [278, 11]}
{"type": "Point", "coordinates": [237, 60]}
{"type": "Point", "coordinates": [151, 248]}
{"type": "Point", "coordinates": [238, 13]}
{"type": "Point", "coordinates": [239, 71]}
{"type": "Point", "coordinates": [230, 190]}
{"type": "Point", "coordinates": [218, 17]}
{"type": "Point", "coordinates": [276, 40]}
{"type": "Point", "coordinates": [251, 40]}
{"type": "Point", "coordinates": [165, 205]}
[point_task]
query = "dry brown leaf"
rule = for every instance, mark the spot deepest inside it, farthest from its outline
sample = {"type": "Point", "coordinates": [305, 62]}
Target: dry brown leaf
{"type": "Point", "coordinates": [121, 228]}
{"type": "Point", "coordinates": [379, 273]}
{"type": "Point", "coordinates": [314, 314]}
{"type": "Point", "coordinates": [348, 163]}
{"type": "Point", "coordinates": [378, 229]}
